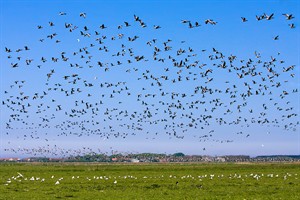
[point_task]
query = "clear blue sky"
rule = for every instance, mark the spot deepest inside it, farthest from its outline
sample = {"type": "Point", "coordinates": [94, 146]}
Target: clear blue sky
{"type": "Point", "coordinates": [46, 126]}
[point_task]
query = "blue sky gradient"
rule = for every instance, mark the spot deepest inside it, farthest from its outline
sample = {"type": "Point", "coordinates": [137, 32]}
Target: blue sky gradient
{"type": "Point", "coordinates": [230, 36]}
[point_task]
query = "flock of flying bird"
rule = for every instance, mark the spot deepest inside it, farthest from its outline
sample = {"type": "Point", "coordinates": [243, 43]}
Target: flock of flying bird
{"type": "Point", "coordinates": [170, 91]}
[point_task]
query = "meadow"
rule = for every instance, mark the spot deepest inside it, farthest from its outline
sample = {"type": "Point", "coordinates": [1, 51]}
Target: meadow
{"type": "Point", "coordinates": [149, 181]}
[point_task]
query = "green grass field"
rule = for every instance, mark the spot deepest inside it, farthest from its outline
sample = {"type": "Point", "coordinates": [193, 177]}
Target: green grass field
{"type": "Point", "coordinates": [149, 181]}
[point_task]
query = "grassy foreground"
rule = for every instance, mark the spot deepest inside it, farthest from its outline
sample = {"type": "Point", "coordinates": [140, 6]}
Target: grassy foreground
{"type": "Point", "coordinates": [149, 181]}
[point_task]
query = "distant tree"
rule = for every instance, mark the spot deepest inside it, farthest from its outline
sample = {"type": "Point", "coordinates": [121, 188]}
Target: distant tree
{"type": "Point", "coordinates": [179, 154]}
{"type": "Point", "coordinates": [116, 155]}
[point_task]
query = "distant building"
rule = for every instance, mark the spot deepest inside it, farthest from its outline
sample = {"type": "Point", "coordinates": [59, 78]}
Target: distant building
{"type": "Point", "coordinates": [10, 159]}
{"type": "Point", "coordinates": [114, 159]}
{"type": "Point", "coordinates": [220, 159]}
{"type": "Point", "coordinates": [238, 158]}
